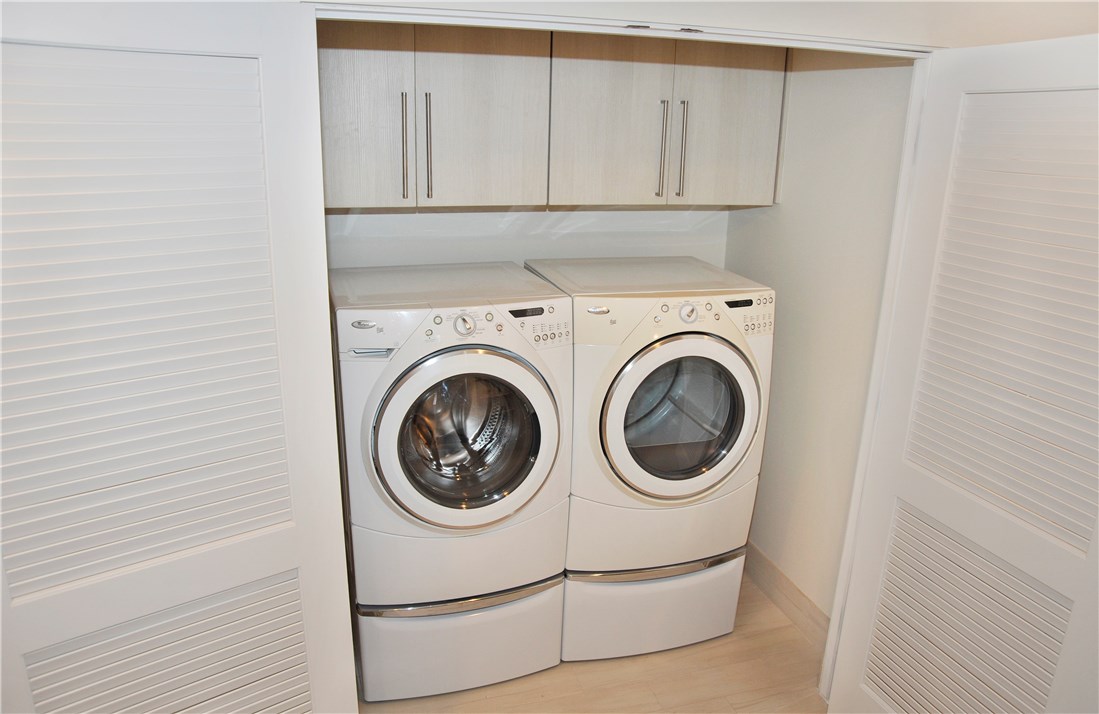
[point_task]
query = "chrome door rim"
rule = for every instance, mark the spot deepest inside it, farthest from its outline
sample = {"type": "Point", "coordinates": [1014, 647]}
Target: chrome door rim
{"type": "Point", "coordinates": [544, 462]}
{"type": "Point", "coordinates": [742, 443]}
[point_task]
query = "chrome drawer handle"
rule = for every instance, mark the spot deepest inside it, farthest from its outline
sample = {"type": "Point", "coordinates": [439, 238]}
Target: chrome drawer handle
{"type": "Point", "coordinates": [599, 310]}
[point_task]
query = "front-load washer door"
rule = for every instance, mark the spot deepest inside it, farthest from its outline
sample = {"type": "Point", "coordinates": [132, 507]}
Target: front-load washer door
{"type": "Point", "coordinates": [466, 437]}
{"type": "Point", "coordinates": [680, 416]}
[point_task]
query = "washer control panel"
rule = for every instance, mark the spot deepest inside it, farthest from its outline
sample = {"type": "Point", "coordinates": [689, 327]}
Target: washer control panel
{"type": "Point", "coordinates": [543, 325]}
{"type": "Point", "coordinates": [754, 314]}
{"type": "Point", "coordinates": [463, 322]}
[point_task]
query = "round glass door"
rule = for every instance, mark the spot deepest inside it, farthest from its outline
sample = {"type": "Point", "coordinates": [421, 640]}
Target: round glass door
{"type": "Point", "coordinates": [469, 441]}
{"type": "Point", "coordinates": [465, 437]}
{"type": "Point", "coordinates": [680, 416]}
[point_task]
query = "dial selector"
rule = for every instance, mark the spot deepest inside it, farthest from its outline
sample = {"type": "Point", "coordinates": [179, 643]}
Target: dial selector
{"type": "Point", "coordinates": [688, 313]}
{"type": "Point", "coordinates": [464, 325]}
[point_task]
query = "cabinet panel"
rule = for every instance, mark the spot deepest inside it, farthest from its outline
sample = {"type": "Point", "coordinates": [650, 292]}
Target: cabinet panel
{"type": "Point", "coordinates": [610, 119]}
{"type": "Point", "coordinates": [482, 116]}
{"type": "Point", "coordinates": [726, 113]}
{"type": "Point", "coordinates": [367, 88]}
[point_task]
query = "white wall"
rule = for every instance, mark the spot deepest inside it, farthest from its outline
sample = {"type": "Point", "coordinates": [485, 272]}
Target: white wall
{"type": "Point", "coordinates": [356, 240]}
{"type": "Point", "coordinates": [930, 24]}
{"type": "Point", "coordinates": [823, 249]}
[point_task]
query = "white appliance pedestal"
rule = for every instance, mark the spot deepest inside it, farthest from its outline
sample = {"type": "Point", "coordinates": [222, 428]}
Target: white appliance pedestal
{"type": "Point", "coordinates": [617, 619]}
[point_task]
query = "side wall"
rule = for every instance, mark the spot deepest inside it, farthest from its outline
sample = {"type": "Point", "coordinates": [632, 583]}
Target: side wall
{"type": "Point", "coordinates": [823, 248]}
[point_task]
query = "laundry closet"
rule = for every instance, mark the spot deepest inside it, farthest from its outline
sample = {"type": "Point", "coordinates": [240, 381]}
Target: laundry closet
{"type": "Point", "coordinates": [782, 164]}
{"type": "Point", "coordinates": [170, 453]}
{"type": "Point", "coordinates": [776, 163]}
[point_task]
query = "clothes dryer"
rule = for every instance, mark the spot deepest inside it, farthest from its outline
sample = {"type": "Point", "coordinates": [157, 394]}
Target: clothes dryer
{"type": "Point", "coordinates": [672, 374]}
{"type": "Point", "coordinates": [455, 382]}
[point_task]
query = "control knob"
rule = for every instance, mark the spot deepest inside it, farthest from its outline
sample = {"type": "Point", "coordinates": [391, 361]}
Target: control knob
{"type": "Point", "coordinates": [464, 325]}
{"type": "Point", "coordinates": [688, 313]}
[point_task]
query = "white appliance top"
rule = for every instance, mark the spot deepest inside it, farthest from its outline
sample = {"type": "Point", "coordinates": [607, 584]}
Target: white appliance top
{"type": "Point", "coordinates": [636, 276]}
{"type": "Point", "coordinates": [435, 285]}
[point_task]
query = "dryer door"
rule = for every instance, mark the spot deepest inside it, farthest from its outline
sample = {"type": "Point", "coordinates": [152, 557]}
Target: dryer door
{"type": "Point", "coordinates": [680, 416]}
{"type": "Point", "coordinates": [466, 437]}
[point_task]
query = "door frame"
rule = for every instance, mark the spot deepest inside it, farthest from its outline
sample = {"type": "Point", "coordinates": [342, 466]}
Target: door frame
{"type": "Point", "coordinates": [531, 21]}
{"type": "Point", "coordinates": [920, 73]}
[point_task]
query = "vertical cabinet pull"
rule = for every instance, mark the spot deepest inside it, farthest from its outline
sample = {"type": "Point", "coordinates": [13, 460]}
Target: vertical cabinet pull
{"type": "Point", "coordinates": [427, 111]}
{"type": "Point", "coordinates": [682, 150]}
{"type": "Point", "coordinates": [404, 144]}
{"type": "Point", "coordinates": [665, 105]}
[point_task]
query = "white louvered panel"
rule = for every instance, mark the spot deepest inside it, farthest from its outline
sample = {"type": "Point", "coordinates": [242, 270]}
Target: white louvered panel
{"type": "Point", "coordinates": [1064, 479]}
{"type": "Point", "coordinates": [177, 320]}
{"type": "Point", "coordinates": [132, 216]}
{"type": "Point", "coordinates": [249, 369]}
{"type": "Point", "coordinates": [45, 65]}
{"type": "Point", "coordinates": [83, 417]}
{"type": "Point", "coordinates": [999, 482]}
{"type": "Point", "coordinates": [78, 319]}
{"type": "Point", "coordinates": [1035, 235]}
{"type": "Point", "coordinates": [87, 235]}
{"type": "Point", "coordinates": [94, 539]}
{"type": "Point", "coordinates": [134, 502]}
{"type": "Point", "coordinates": [163, 340]}
{"type": "Point", "coordinates": [1006, 406]}
{"type": "Point", "coordinates": [984, 402]}
{"type": "Point", "coordinates": [54, 382]}
{"type": "Point", "coordinates": [235, 650]}
{"type": "Point", "coordinates": [959, 630]}
{"type": "Point", "coordinates": [255, 696]}
{"type": "Point", "coordinates": [1059, 190]}
{"type": "Point", "coordinates": [132, 198]}
{"type": "Point", "coordinates": [33, 186]}
{"type": "Point", "coordinates": [1010, 256]}
{"type": "Point", "coordinates": [1065, 328]}
{"type": "Point", "coordinates": [142, 407]}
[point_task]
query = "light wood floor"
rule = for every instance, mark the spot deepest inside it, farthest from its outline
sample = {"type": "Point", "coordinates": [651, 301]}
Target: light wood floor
{"type": "Point", "coordinates": [765, 665]}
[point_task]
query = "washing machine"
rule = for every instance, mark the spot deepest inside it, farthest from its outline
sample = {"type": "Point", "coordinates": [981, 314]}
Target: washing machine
{"type": "Point", "coordinates": [672, 374]}
{"type": "Point", "coordinates": [456, 394]}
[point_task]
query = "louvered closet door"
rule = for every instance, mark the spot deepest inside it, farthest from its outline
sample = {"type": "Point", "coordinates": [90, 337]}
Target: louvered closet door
{"type": "Point", "coordinates": [974, 557]}
{"type": "Point", "coordinates": [170, 497]}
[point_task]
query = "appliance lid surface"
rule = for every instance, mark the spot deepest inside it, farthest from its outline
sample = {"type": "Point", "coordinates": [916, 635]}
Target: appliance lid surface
{"type": "Point", "coordinates": [436, 285]}
{"type": "Point", "coordinates": [627, 276]}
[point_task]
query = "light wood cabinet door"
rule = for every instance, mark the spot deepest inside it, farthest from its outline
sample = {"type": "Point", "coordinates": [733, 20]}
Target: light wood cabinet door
{"type": "Point", "coordinates": [482, 116]}
{"type": "Point", "coordinates": [610, 121]}
{"type": "Point", "coordinates": [367, 89]}
{"type": "Point", "coordinates": [726, 114]}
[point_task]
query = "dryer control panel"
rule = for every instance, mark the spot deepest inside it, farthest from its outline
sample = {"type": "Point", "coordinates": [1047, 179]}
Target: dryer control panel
{"type": "Point", "coordinates": [754, 313]}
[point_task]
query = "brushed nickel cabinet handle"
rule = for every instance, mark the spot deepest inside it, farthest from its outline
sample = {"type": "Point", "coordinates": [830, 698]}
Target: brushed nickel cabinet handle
{"type": "Point", "coordinates": [404, 144]}
{"type": "Point", "coordinates": [683, 150]}
{"type": "Point", "coordinates": [427, 105]}
{"type": "Point", "coordinates": [665, 105]}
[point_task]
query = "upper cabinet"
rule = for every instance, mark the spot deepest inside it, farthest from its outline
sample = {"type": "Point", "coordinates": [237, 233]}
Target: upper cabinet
{"type": "Point", "coordinates": [640, 121]}
{"type": "Point", "coordinates": [433, 116]}
{"type": "Point", "coordinates": [726, 114]}
{"type": "Point", "coordinates": [368, 94]}
{"type": "Point", "coordinates": [419, 116]}
{"type": "Point", "coordinates": [483, 115]}
{"type": "Point", "coordinates": [609, 126]}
